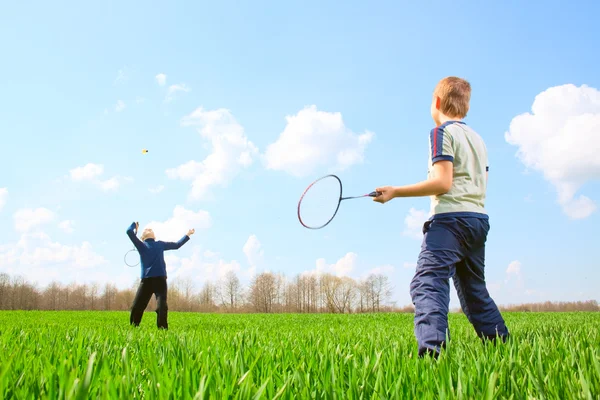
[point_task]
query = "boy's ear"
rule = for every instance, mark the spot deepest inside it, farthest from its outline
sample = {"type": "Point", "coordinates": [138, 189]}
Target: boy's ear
{"type": "Point", "coordinates": [438, 102]}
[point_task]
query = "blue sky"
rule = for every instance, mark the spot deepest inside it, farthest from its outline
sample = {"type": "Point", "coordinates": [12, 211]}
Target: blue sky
{"type": "Point", "coordinates": [80, 87]}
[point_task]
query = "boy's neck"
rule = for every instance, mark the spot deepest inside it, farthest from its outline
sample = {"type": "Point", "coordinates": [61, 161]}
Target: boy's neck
{"type": "Point", "coordinates": [444, 118]}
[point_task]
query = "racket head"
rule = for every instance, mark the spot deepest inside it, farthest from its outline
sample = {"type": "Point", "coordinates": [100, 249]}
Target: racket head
{"type": "Point", "coordinates": [132, 258]}
{"type": "Point", "coordinates": [320, 202]}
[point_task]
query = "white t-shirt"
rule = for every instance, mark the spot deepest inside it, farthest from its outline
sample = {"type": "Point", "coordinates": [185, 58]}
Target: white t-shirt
{"type": "Point", "coordinates": [457, 142]}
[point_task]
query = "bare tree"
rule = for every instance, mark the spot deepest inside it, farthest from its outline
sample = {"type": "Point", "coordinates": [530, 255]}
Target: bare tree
{"type": "Point", "coordinates": [339, 293]}
{"type": "Point", "coordinates": [381, 291]}
{"type": "Point", "coordinates": [206, 297]}
{"type": "Point", "coordinates": [93, 295]}
{"type": "Point", "coordinates": [327, 288]}
{"type": "Point", "coordinates": [345, 294]}
{"type": "Point", "coordinates": [363, 296]}
{"type": "Point", "coordinates": [109, 296]}
{"type": "Point", "coordinates": [77, 297]}
{"type": "Point", "coordinates": [263, 292]}
{"type": "Point", "coordinates": [124, 299]}
{"type": "Point", "coordinates": [52, 296]}
{"type": "Point", "coordinates": [232, 289]}
{"type": "Point", "coordinates": [18, 293]}
{"type": "Point", "coordinates": [22, 295]}
{"type": "Point", "coordinates": [312, 293]}
{"type": "Point", "coordinates": [292, 298]}
{"type": "Point", "coordinates": [176, 296]}
{"type": "Point", "coordinates": [5, 291]}
{"type": "Point", "coordinates": [187, 293]}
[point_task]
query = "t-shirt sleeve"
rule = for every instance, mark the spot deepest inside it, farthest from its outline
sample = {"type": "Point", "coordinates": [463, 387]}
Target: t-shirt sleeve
{"type": "Point", "coordinates": [487, 161]}
{"type": "Point", "coordinates": [441, 145]}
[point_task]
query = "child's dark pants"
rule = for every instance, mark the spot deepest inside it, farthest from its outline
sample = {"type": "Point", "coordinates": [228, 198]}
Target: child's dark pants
{"type": "Point", "coordinates": [148, 287]}
{"type": "Point", "coordinates": [453, 247]}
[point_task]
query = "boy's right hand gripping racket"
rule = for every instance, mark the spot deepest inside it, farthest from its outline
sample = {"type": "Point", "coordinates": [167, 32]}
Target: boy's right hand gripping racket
{"type": "Point", "coordinates": [321, 200]}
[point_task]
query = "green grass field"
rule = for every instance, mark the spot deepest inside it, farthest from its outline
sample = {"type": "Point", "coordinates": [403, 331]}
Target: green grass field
{"type": "Point", "coordinates": [97, 355]}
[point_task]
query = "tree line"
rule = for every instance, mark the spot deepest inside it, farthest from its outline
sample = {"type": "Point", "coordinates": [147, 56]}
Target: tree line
{"type": "Point", "coordinates": [548, 306]}
{"type": "Point", "coordinates": [267, 293]}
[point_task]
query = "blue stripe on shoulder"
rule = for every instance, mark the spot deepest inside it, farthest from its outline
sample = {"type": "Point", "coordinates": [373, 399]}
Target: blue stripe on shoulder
{"type": "Point", "coordinates": [436, 137]}
{"type": "Point", "coordinates": [432, 141]}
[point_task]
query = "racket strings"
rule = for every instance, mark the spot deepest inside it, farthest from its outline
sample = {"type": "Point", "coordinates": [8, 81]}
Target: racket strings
{"type": "Point", "coordinates": [320, 202]}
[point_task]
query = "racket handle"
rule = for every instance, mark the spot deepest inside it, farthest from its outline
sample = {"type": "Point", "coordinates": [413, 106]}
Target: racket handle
{"type": "Point", "coordinates": [375, 194]}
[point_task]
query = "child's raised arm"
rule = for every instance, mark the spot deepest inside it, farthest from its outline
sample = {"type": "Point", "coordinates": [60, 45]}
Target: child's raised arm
{"type": "Point", "coordinates": [181, 242]}
{"type": "Point", "coordinates": [132, 236]}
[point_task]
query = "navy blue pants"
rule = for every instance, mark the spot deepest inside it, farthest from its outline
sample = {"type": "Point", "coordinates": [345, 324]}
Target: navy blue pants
{"type": "Point", "coordinates": [453, 247]}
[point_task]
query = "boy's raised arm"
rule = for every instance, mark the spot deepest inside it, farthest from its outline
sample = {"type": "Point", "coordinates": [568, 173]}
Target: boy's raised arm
{"type": "Point", "coordinates": [132, 236]}
{"type": "Point", "coordinates": [181, 242]}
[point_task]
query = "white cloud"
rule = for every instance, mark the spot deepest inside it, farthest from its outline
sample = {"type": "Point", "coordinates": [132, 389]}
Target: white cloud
{"type": "Point", "coordinates": [348, 266]}
{"type": "Point", "coordinates": [231, 151]}
{"type": "Point", "coordinates": [121, 76]}
{"type": "Point", "coordinates": [194, 267]}
{"type": "Point", "coordinates": [178, 225]}
{"type": "Point", "coordinates": [113, 183]}
{"type": "Point", "coordinates": [188, 171]}
{"type": "Point", "coordinates": [53, 252]}
{"type": "Point", "coordinates": [210, 254]}
{"type": "Point", "coordinates": [180, 87]}
{"type": "Point", "coordinates": [91, 172]}
{"type": "Point", "coordinates": [512, 289]}
{"type": "Point", "coordinates": [413, 223]}
{"type": "Point", "coordinates": [254, 252]}
{"type": "Point", "coordinates": [315, 139]}
{"type": "Point", "coordinates": [382, 269]}
{"type": "Point", "coordinates": [342, 267]}
{"type": "Point", "coordinates": [201, 267]}
{"type": "Point", "coordinates": [139, 100]}
{"type": "Point", "coordinates": [409, 265]}
{"type": "Point", "coordinates": [87, 172]}
{"type": "Point", "coordinates": [120, 106]}
{"type": "Point", "coordinates": [161, 79]}
{"type": "Point", "coordinates": [514, 275]}
{"type": "Point", "coordinates": [27, 218]}
{"type": "Point", "coordinates": [156, 189]}
{"type": "Point", "coordinates": [514, 268]}
{"type": "Point", "coordinates": [3, 197]}
{"type": "Point", "coordinates": [36, 257]}
{"type": "Point", "coordinates": [559, 139]}
{"type": "Point", "coordinates": [38, 249]}
{"type": "Point", "coordinates": [110, 184]}
{"type": "Point", "coordinates": [67, 226]}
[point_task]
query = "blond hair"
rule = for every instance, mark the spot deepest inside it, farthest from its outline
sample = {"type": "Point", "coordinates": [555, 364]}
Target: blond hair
{"type": "Point", "coordinates": [143, 237]}
{"type": "Point", "coordinates": [455, 95]}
